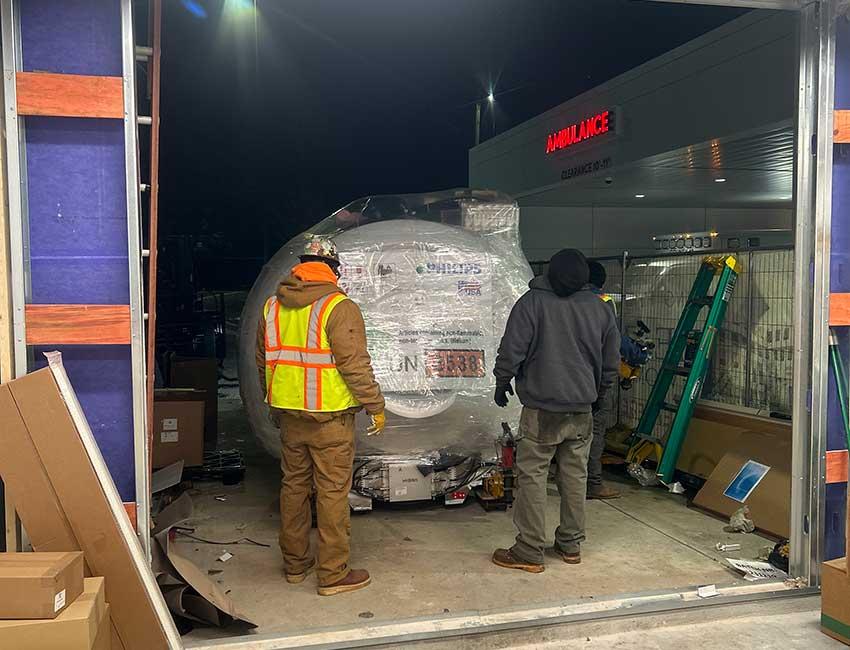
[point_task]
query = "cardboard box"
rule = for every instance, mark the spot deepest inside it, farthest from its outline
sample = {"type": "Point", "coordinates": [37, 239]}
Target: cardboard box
{"type": "Point", "coordinates": [82, 626]}
{"type": "Point", "coordinates": [835, 600]}
{"type": "Point", "coordinates": [49, 474]}
{"type": "Point", "coordinates": [202, 375]}
{"type": "Point", "coordinates": [714, 431]}
{"type": "Point", "coordinates": [178, 428]}
{"type": "Point", "coordinates": [39, 585]}
{"type": "Point", "coordinates": [770, 501]}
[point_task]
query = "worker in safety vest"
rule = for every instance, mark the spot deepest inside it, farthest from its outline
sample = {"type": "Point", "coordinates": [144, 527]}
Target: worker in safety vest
{"type": "Point", "coordinates": [316, 371]}
{"type": "Point", "coordinates": [596, 488]}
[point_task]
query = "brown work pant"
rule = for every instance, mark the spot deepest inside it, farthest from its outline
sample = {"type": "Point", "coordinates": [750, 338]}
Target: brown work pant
{"type": "Point", "coordinates": [320, 454]}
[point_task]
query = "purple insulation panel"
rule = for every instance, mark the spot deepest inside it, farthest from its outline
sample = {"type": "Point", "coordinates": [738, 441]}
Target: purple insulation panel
{"type": "Point", "coordinates": [77, 206]}
{"type": "Point", "coordinates": [71, 36]}
{"type": "Point", "coordinates": [76, 209]}
{"type": "Point", "coordinates": [102, 378]}
{"type": "Point", "coordinates": [839, 281]}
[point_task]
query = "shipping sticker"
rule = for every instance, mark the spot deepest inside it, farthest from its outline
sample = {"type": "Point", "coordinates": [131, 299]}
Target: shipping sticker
{"type": "Point", "coordinates": [169, 424]}
{"type": "Point", "coordinates": [402, 491]}
{"type": "Point", "coordinates": [169, 436]}
{"type": "Point", "coordinates": [59, 601]}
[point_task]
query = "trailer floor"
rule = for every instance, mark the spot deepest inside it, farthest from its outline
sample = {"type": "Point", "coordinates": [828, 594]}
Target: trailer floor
{"type": "Point", "coordinates": [432, 560]}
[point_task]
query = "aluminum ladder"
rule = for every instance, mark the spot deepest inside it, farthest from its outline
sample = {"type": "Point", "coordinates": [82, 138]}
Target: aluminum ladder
{"type": "Point", "coordinates": [694, 369]}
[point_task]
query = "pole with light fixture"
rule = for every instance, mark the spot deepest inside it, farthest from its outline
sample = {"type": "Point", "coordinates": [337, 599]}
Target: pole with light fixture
{"type": "Point", "coordinates": [491, 98]}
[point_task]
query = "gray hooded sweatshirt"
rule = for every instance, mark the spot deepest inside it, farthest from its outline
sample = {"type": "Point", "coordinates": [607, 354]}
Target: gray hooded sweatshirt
{"type": "Point", "coordinates": [563, 352]}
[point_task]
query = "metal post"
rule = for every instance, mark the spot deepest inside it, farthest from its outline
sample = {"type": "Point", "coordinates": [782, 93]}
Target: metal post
{"type": "Point", "coordinates": [813, 186]}
{"type": "Point", "coordinates": [748, 361]}
{"type": "Point", "coordinates": [153, 213]}
{"type": "Point", "coordinates": [477, 123]}
{"type": "Point", "coordinates": [14, 363]}
{"type": "Point", "coordinates": [137, 343]}
{"type": "Point", "coordinates": [624, 261]}
{"type": "Point", "coordinates": [15, 167]}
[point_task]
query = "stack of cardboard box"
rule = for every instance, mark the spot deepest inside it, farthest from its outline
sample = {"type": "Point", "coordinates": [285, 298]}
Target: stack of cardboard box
{"type": "Point", "coordinates": [46, 604]}
{"type": "Point", "coordinates": [835, 592]}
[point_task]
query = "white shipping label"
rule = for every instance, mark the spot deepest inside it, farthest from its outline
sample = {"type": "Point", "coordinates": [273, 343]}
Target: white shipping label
{"type": "Point", "coordinates": [169, 436]}
{"type": "Point", "coordinates": [169, 424]}
{"type": "Point", "coordinates": [401, 492]}
{"type": "Point", "coordinates": [59, 601]}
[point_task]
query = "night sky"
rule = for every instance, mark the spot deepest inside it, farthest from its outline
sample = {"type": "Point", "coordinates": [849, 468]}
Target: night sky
{"type": "Point", "coordinates": [335, 99]}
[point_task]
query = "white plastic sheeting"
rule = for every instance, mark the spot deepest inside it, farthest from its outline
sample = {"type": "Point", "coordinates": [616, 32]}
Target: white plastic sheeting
{"type": "Point", "coordinates": [436, 276]}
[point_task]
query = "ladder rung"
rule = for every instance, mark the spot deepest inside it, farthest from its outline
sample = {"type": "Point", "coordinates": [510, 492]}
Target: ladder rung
{"type": "Point", "coordinates": [672, 408]}
{"type": "Point", "coordinates": [143, 53]}
{"type": "Point", "coordinates": [145, 119]}
{"type": "Point", "coordinates": [146, 252]}
{"type": "Point", "coordinates": [678, 370]}
{"type": "Point", "coordinates": [702, 302]}
{"type": "Point", "coordinates": [144, 187]}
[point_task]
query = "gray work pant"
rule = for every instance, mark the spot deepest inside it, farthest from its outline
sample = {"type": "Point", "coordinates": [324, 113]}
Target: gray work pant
{"type": "Point", "coordinates": [544, 436]}
{"type": "Point", "coordinates": [601, 422]}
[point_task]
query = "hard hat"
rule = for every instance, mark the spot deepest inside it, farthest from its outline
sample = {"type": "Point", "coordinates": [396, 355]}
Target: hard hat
{"type": "Point", "coordinates": [321, 247]}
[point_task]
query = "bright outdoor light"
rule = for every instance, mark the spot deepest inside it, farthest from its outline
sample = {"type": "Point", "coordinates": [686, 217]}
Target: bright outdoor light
{"type": "Point", "coordinates": [194, 8]}
{"type": "Point", "coordinates": [640, 196]}
{"type": "Point", "coordinates": [490, 97]}
{"type": "Point", "coordinates": [719, 180]}
{"type": "Point", "coordinates": [239, 6]}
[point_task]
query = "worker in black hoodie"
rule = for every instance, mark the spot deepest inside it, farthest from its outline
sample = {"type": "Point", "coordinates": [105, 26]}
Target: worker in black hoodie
{"type": "Point", "coordinates": [561, 346]}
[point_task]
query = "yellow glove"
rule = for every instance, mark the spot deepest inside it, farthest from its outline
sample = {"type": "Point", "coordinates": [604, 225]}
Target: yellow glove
{"type": "Point", "coordinates": [379, 421]}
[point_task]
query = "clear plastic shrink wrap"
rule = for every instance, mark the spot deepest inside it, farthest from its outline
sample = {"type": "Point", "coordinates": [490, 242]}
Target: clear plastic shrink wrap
{"type": "Point", "coordinates": [436, 276]}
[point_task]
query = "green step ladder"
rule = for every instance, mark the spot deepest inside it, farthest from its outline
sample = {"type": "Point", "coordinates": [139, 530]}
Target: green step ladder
{"type": "Point", "coordinates": [644, 443]}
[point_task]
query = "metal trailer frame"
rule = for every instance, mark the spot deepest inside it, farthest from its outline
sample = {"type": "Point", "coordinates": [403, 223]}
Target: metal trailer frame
{"type": "Point", "coordinates": [813, 177]}
{"type": "Point", "coordinates": [134, 257]}
{"type": "Point", "coordinates": [813, 184]}
{"type": "Point", "coordinates": [19, 241]}
{"type": "Point", "coordinates": [813, 188]}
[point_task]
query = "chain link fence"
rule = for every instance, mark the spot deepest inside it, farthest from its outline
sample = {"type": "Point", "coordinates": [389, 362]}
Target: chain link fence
{"type": "Point", "coordinates": [752, 363]}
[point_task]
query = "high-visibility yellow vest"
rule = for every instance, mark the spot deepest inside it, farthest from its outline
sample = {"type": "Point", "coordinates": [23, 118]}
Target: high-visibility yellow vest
{"type": "Point", "coordinates": [610, 300]}
{"type": "Point", "coordinates": [301, 373]}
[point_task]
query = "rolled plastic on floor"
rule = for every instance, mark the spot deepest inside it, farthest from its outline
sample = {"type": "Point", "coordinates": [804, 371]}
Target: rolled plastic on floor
{"type": "Point", "coordinates": [435, 276]}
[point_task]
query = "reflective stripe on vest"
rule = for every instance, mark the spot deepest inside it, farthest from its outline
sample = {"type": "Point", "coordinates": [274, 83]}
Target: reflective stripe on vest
{"type": "Point", "coordinates": [306, 354]}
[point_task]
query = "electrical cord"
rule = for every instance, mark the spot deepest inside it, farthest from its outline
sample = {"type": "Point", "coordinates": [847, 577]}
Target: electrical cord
{"type": "Point", "coordinates": [189, 533]}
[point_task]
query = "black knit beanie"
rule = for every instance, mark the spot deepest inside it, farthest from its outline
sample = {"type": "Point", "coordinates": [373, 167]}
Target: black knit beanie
{"type": "Point", "coordinates": [568, 272]}
{"type": "Point", "coordinates": [598, 274]}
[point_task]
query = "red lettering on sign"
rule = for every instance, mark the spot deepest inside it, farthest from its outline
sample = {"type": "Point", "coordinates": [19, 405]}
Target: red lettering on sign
{"type": "Point", "coordinates": [579, 132]}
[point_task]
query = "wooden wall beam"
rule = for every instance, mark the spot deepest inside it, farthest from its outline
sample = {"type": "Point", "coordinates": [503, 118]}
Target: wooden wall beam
{"type": "Point", "coordinates": [69, 95]}
{"type": "Point", "coordinates": [841, 127]}
{"type": "Point", "coordinates": [839, 309]}
{"type": "Point", "coordinates": [78, 324]}
{"type": "Point", "coordinates": [836, 466]}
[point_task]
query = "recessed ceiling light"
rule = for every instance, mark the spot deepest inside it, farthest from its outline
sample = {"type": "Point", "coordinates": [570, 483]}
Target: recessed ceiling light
{"type": "Point", "coordinates": [640, 196]}
{"type": "Point", "coordinates": [719, 180]}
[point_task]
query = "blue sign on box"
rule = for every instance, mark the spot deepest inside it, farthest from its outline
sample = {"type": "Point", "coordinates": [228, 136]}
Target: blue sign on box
{"type": "Point", "coordinates": [746, 480]}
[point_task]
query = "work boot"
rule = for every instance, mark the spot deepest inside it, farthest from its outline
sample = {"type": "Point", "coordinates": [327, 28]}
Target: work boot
{"type": "Point", "coordinates": [602, 491]}
{"type": "Point", "coordinates": [504, 558]}
{"type": "Point", "coordinates": [569, 558]}
{"type": "Point", "coordinates": [356, 579]}
{"type": "Point", "coordinates": [297, 578]}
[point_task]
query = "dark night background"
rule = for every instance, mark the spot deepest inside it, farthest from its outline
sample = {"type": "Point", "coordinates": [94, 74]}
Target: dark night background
{"type": "Point", "coordinates": [335, 99]}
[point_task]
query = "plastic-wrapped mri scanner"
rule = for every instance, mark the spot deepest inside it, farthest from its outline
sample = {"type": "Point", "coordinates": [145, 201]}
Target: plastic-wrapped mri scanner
{"type": "Point", "coordinates": [435, 276]}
